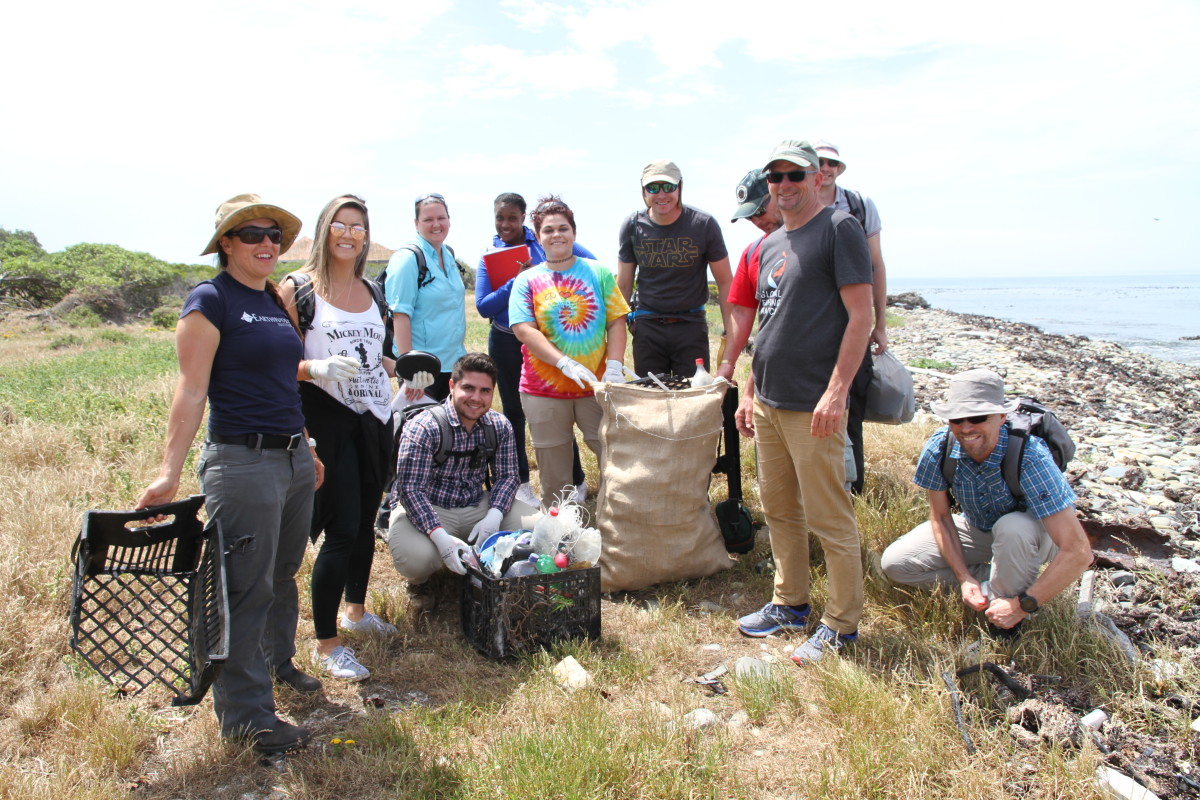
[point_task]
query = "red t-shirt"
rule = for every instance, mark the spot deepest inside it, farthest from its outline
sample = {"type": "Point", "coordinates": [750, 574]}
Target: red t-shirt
{"type": "Point", "coordinates": [743, 291]}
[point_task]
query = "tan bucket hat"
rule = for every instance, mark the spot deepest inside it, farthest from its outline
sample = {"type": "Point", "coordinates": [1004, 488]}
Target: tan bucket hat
{"type": "Point", "coordinates": [242, 207]}
{"type": "Point", "coordinates": [974, 392]}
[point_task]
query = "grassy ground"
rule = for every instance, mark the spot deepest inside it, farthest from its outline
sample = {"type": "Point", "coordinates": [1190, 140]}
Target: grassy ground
{"type": "Point", "coordinates": [82, 416]}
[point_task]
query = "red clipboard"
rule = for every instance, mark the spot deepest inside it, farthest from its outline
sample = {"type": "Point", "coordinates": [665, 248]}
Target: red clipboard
{"type": "Point", "coordinates": [503, 265]}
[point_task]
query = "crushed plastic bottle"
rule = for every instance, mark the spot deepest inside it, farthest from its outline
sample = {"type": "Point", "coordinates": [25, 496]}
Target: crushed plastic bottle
{"type": "Point", "coordinates": [701, 377]}
{"type": "Point", "coordinates": [520, 569]}
{"type": "Point", "coordinates": [546, 565]}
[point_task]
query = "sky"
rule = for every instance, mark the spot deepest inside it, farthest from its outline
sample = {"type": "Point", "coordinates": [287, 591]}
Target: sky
{"type": "Point", "coordinates": [1034, 138]}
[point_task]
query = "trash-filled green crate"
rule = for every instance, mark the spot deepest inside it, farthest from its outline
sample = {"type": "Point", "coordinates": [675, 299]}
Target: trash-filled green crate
{"type": "Point", "coordinates": [506, 617]}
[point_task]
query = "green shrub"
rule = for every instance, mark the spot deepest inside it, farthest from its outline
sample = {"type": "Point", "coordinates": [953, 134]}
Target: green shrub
{"type": "Point", "coordinates": [82, 317]}
{"type": "Point", "coordinates": [66, 340]}
{"type": "Point", "coordinates": [165, 317]}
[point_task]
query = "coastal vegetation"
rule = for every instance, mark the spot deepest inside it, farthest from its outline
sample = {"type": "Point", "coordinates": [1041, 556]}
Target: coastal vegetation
{"type": "Point", "coordinates": [83, 411]}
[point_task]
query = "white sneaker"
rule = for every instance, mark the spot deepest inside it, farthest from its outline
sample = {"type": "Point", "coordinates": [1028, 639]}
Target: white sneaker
{"type": "Point", "coordinates": [341, 663]}
{"type": "Point", "coordinates": [580, 494]}
{"type": "Point", "coordinates": [369, 623]}
{"type": "Point", "coordinates": [525, 495]}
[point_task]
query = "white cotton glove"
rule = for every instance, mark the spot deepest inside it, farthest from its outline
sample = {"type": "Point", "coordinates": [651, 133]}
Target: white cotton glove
{"type": "Point", "coordinates": [575, 371]}
{"type": "Point", "coordinates": [451, 549]}
{"type": "Point", "coordinates": [614, 371]}
{"type": "Point", "coordinates": [486, 526]}
{"type": "Point", "coordinates": [420, 380]}
{"type": "Point", "coordinates": [334, 368]}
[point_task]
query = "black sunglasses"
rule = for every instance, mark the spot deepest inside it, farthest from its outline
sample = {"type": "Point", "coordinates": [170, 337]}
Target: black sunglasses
{"type": "Point", "coordinates": [252, 234]}
{"type": "Point", "coordinates": [795, 176]}
{"type": "Point", "coordinates": [978, 419]}
{"type": "Point", "coordinates": [661, 186]}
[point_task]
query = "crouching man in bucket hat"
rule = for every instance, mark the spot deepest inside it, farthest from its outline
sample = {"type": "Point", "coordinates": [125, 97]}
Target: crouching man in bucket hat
{"type": "Point", "coordinates": [995, 550]}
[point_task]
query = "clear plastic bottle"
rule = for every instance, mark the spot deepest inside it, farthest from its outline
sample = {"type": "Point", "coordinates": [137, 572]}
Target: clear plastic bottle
{"type": "Point", "coordinates": [520, 569]}
{"type": "Point", "coordinates": [701, 378]}
{"type": "Point", "coordinates": [548, 532]}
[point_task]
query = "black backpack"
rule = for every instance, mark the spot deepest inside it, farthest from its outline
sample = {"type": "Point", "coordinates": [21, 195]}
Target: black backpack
{"type": "Point", "coordinates": [1031, 418]}
{"type": "Point", "coordinates": [858, 209]}
{"type": "Point", "coordinates": [306, 301]}
{"type": "Point", "coordinates": [423, 280]}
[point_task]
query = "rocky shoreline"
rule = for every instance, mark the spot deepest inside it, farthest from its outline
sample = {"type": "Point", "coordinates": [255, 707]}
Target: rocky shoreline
{"type": "Point", "coordinates": [1135, 418]}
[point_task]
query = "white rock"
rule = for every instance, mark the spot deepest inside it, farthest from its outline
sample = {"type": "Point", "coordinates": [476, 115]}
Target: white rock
{"type": "Point", "coordinates": [739, 719]}
{"type": "Point", "coordinates": [711, 647]}
{"type": "Point", "coordinates": [571, 675]}
{"type": "Point", "coordinates": [699, 720]}
{"type": "Point", "coordinates": [747, 667]}
{"type": "Point", "coordinates": [1196, 725]}
{"type": "Point", "coordinates": [1185, 564]}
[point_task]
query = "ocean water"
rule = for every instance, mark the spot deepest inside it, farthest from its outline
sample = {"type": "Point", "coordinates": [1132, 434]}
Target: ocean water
{"type": "Point", "coordinates": [1145, 313]}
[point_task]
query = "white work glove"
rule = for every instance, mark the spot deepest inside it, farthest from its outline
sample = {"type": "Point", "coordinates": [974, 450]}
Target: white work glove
{"type": "Point", "coordinates": [614, 371]}
{"type": "Point", "coordinates": [451, 549]}
{"type": "Point", "coordinates": [334, 368]}
{"type": "Point", "coordinates": [575, 371]}
{"type": "Point", "coordinates": [486, 526]}
{"type": "Point", "coordinates": [420, 380]}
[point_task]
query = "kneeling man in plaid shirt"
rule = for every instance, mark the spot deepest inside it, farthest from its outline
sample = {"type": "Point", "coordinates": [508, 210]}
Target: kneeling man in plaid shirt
{"type": "Point", "coordinates": [440, 510]}
{"type": "Point", "coordinates": [994, 552]}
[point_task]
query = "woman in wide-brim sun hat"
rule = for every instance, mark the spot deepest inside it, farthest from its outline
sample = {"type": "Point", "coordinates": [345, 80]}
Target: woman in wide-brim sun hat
{"type": "Point", "coordinates": [238, 353]}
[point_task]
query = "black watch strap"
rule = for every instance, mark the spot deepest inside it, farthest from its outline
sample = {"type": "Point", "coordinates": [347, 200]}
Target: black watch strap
{"type": "Point", "coordinates": [1029, 603]}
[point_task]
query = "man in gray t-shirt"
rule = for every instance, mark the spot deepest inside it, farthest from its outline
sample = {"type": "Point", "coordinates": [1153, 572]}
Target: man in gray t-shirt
{"type": "Point", "coordinates": [670, 248]}
{"type": "Point", "coordinates": [814, 301]}
{"type": "Point", "coordinates": [863, 209]}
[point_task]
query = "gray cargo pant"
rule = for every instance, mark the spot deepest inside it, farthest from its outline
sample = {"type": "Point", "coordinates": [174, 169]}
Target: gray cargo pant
{"type": "Point", "coordinates": [1010, 555]}
{"type": "Point", "coordinates": [263, 500]}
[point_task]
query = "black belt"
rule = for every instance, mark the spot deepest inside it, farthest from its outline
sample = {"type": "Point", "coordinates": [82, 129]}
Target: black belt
{"type": "Point", "coordinates": [261, 441]}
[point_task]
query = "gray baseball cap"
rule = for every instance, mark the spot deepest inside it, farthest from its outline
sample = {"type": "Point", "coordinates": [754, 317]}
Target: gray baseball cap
{"type": "Point", "coordinates": [751, 194]}
{"type": "Point", "coordinates": [797, 151]}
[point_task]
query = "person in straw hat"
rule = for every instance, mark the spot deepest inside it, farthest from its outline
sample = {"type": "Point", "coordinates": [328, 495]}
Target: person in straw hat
{"type": "Point", "coordinates": [239, 354]}
{"type": "Point", "coordinates": [994, 551]}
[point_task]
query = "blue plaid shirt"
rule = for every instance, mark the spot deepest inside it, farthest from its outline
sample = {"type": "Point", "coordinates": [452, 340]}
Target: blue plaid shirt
{"type": "Point", "coordinates": [980, 488]}
{"type": "Point", "coordinates": [458, 483]}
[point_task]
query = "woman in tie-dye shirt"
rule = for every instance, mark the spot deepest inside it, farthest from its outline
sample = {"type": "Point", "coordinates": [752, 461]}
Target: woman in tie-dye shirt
{"type": "Point", "coordinates": [570, 318]}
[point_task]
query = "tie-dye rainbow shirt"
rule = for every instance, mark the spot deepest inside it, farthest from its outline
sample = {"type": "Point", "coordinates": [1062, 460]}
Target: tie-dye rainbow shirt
{"type": "Point", "coordinates": [573, 308]}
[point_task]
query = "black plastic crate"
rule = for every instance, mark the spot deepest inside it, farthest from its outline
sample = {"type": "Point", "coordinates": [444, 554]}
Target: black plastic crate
{"type": "Point", "coordinates": [506, 617]}
{"type": "Point", "coordinates": [150, 603]}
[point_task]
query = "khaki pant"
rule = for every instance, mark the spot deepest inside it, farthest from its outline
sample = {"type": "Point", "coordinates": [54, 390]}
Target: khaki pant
{"type": "Point", "coordinates": [552, 422]}
{"type": "Point", "coordinates": [1010, 555]}
{"type": "Point", "coordinates": [802, 480]}
{"type": "Point", "coordinates": [413, 552]}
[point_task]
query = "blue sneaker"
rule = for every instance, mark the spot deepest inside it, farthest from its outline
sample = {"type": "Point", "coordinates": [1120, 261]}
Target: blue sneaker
{"type": "Point", "coordinates": [772, 619]}
{"type": "Point", "coordinates": [824, 640]}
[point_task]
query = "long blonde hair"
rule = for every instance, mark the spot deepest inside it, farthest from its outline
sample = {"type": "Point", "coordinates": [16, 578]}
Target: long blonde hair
{"type": "Point", "coordinates": [318, 263]}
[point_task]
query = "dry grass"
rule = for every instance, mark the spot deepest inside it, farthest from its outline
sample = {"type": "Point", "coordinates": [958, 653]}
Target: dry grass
{"type": "Point", "coordinates": [436, 720]}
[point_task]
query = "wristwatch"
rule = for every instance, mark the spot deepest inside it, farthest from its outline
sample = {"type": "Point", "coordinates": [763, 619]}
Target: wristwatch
{"type": "Point", "coordinates": [1029, 603]}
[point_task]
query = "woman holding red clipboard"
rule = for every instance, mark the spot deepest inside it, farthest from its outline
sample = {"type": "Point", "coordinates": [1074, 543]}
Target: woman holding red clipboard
{"type": "Point", "coordinates": [491, 301]}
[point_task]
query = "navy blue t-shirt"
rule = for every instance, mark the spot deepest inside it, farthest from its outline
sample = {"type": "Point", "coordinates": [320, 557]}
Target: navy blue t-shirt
{"type": "Point", "coordinates": [252, 388]}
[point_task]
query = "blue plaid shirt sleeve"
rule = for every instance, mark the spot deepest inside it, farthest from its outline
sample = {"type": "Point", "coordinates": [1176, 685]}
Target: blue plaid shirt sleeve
{"type": "Point", "coordinates": [1046, 489]}
{"type": "Point", "coordinates": [929, 471]}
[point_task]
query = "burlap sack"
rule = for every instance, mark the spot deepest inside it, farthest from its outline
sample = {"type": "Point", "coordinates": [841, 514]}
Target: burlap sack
{"type": "Point", "coordinates": [658, 452]}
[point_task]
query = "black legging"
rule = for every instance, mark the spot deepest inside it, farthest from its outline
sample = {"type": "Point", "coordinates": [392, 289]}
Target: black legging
{"type": "Point", "coordinates": [353, 453]}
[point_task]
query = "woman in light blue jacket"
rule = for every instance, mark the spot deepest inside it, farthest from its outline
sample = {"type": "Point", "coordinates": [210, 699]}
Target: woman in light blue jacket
{"type": "Point", "coordinates": [427, 305]}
